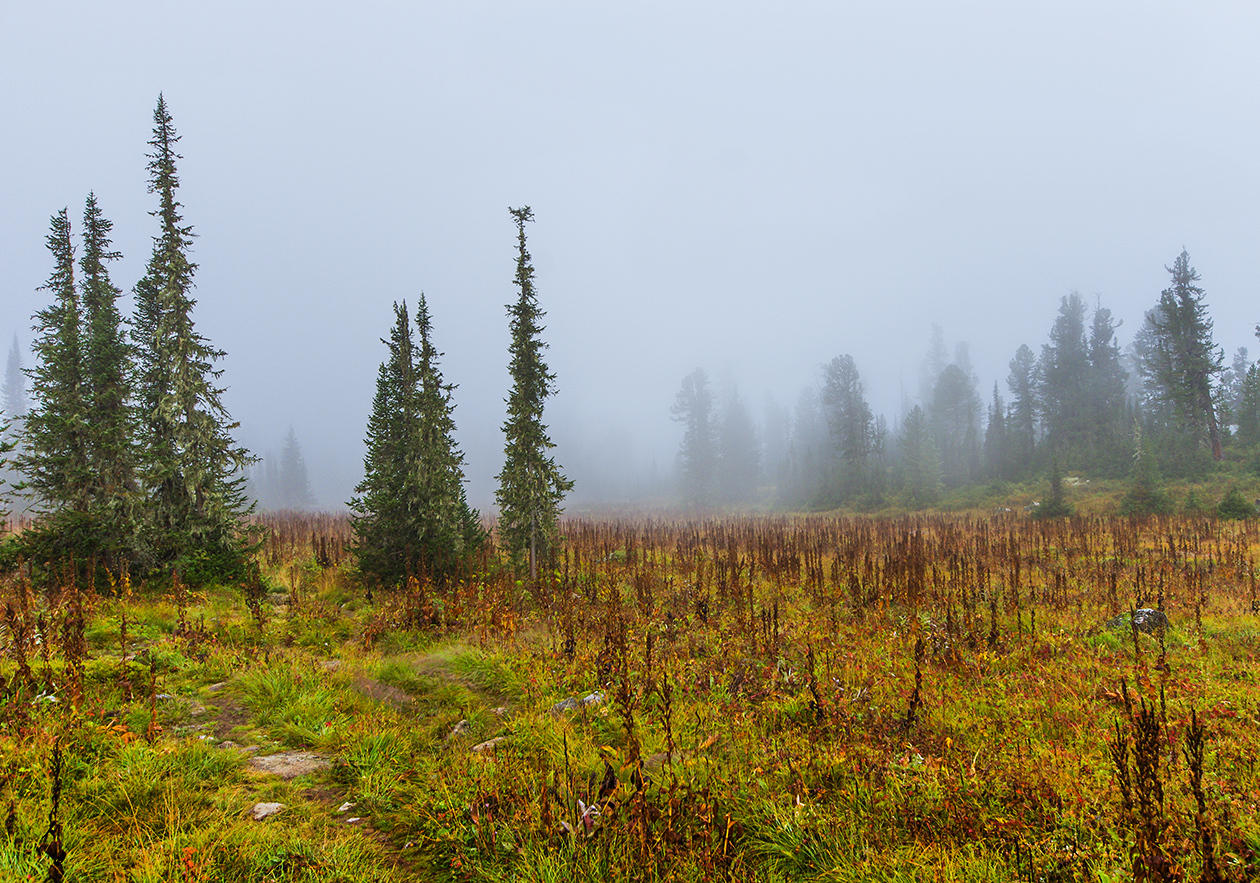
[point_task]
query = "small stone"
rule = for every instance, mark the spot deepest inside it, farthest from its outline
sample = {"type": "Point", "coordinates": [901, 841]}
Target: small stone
{"type": "Point", "coordinates": [1145, 619]}
{"type": "Point", "coordinates": [330, 664]}
{"type": "Point", "coordinates": [500, 711]}
{"type": "Point", "coordinates": [214, 688]}
{"type": "Point", "coordinates": [573, 703]}
{"type": "Point", "coordinates": [228, 744]}
{"type": "Point", "coordinates": [345, 807]}
{"type": "Point", "coordinates": [263, 810]}
{"type": "Point", "coordinates": [195, 709]}
{"type": "Point", "coordinates": [488, 745]}
{"type": "Point", "coordinates": [353, 819]}
{"type": "Point", "coordinates": [458, 730]}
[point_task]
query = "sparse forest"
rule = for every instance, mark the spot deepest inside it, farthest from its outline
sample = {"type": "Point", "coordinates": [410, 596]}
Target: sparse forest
{"type": "Point", "coordinates": [1166, 405]}
{"type": "Point", "coordinates": [1018, 644]}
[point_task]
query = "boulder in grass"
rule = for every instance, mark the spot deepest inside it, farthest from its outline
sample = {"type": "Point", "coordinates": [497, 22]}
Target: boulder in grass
{"type": "Point", "coordinates": [1146, 619]}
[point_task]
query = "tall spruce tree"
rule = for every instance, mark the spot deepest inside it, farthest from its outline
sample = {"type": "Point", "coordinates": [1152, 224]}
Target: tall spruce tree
{"type": "Point", "coordinates": [1178, 358]}
{"type": "Point", "coordinates": [294, 481]}
{"type": "Point", "coordinates": [113, 490]}
{"type": "Point", "coordinates": [738, 451]}
{"type": "Point", "coordinates": [698, 451]}
{"type": "Point", "coordinates": [531, 485]}
{"type": "Point", "coordinates": [451, 529]}
{"type": "Point", "coordinates": [13, 398]}
{"type": "Point", "coordinates": [386, 498]}
{"type": "Point", "coordinates": [411, 515]}
{"type": "Point", "coordinates": [56, 462]}
{"type": "Point", "coordinates": [1022, 425]}
{"type": "Point", "coordinates": [852, 425]}
{"type": "Point", "coordinates": [192, 469]}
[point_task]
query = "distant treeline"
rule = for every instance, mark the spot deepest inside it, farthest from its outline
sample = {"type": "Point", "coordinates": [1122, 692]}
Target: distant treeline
{"type": "Point", "coordinates": [1083, 402]}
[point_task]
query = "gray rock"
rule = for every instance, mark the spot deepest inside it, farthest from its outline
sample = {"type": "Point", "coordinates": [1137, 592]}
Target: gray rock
{"type": "Point", "coordinates": [458, 730]}
{"type": "Point", "coordinates": [489, 744]}
{"type": "Point", "coordinates": [1147, 619]}
{"type": "Point", "coordinates": [264, 810]}
{"type": "Point", "coordinates": [573, 703]}
{"type": "Point", "coordinates": [290, 764]}
{"type": "Point", "coordinates": [330, 664]}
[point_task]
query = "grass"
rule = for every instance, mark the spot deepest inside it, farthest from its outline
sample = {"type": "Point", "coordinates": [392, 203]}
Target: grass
{"type": "Point", "coordinates": [820, 698]}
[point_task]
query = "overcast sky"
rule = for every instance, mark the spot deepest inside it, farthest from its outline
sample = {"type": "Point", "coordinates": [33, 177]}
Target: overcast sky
{"type": "Point", "coordinates": [750, 187]}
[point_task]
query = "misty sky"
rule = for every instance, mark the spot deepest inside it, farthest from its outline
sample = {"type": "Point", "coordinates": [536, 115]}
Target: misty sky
{"type": "Point", "coordinates": [750, 187]}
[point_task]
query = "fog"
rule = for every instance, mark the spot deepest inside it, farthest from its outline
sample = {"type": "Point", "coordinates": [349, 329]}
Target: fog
{"type": "Point", "coordinates": [753, 188]}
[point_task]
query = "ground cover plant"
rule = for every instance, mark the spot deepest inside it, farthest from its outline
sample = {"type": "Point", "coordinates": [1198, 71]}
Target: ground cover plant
{"type": "Point", "coordinates": [779, 698]}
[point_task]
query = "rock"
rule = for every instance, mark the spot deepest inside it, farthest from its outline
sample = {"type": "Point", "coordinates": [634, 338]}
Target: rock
{"type": "Point", "coordinates": [488, 745]}
{"type": "Point", "coordinates": [330, 664]}
{"type": "Point", "coordinates": [194, 708]}
{"type": "Point", "coordinates": [263, 810]}
{"type": "Point", "coordinates": [458, 730]}
{"type": "Point", "coordinates": [228, 744]}
{"type": "Point", "coordinates": [345, 807]}
{"type": "Point", "coordinates": [1147, 619]}
{"type": "Point", "coordinates": [214, 688]}
{"type": "Point", "coordinates": [573, 703]}
{"type": "Point", "coordinates": [290, 764]}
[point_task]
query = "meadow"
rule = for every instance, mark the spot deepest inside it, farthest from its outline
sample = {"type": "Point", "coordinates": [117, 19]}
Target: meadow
{"type": "Point", "coordinates": [915, 698]}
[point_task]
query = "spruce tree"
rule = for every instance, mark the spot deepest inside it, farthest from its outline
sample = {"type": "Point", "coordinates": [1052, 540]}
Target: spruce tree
{"type": "Point", "coordinates": [14, 401]}
{"type": "Point", "coordinates": [851, 422]}
{"type": "Point", "coordinates": [192, 469]}
{"type": "Point", "coordinates": [411, 515]}
{"type": "Point", "coordinates": [56, 462]}
{"type": "Point", "coordinates": [1146, 494]}
{"type": "Point", "coordinates": [698, 455]}
{"type": "Point", "coordinates": [450, 530]}
{"type": "Point", "coordinates": [531, 485]}
{"type": "Point", "coordinates": [1179, 359]}
{"type": "Point", "coordinates": [294, 482]}
{"type": "Point", "coordinates": [381, 511]}
{"type": "Point", "coordinates": [112, 489]}
{"type": "Point", "coordinates": [920, 463]}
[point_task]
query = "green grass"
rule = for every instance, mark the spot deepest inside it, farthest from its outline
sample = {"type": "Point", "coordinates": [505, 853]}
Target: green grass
{"type": "Point", "coordinates": [721, 755]}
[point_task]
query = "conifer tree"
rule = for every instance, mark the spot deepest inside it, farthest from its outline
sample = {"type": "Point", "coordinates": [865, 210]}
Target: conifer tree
{"type": "Point", "coordinates": [386, 497]}
{"type": "Point", "coordinates": [920, 463]}
{"type": "Point", "coordinates": [1146, 494]}
{"type": "Point", "coordinates": [55, 461]}
{"type": "Point", "coordinates": [851, 422]}
{"type": "Point", "coordinates": [451, 529]}
{"type": "Point", "coordinates": [14, 394]}
{"type": "Point", "coordinates": [411, 515]}
{"type": "Point", "coordinates": [738, 451]}
{"type": "Point", "coordinates": [294, 481]}
{"type": "Point", "coordinates": [693, 407]}
{"type": "Point", "coordinates": [112, 489]}
{"type": "Point", "coordinates": [1178, 357]}
{"type": "Point", "coordinates": [531, 485]}
{"type": "Point", "coordinates": [192, 469]}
